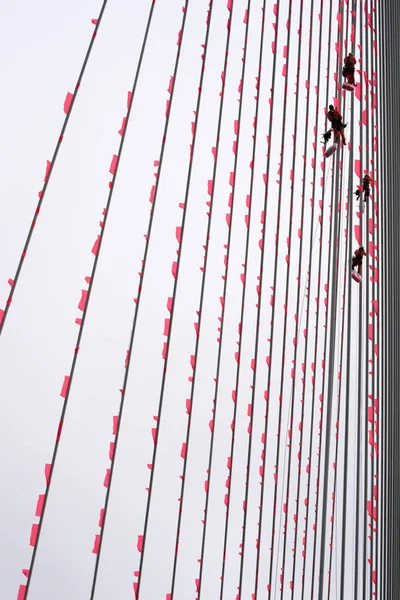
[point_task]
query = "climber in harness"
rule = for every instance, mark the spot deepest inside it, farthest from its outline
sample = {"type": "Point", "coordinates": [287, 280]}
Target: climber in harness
{"type": "Point", "coordinates": [348, 72]}
{"type": "Point", "coordinates": [338, 126]}
{"type": "Point", "coordinates": [356, 261]}
{"type": "Point", "coordinates": [366, 189]}
{"type": "Point", "coordinates": [366, 186]}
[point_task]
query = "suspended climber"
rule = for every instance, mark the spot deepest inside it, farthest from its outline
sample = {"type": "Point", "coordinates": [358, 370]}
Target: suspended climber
{"type": "Point", "coordinates": [365, 192]}
{"type": "Point", "coordinates": [356, 261]}
{"type": "Point", "coordinates": [348, 72]}
{"type": "Point", "coordinates": [366, 187]}
{"type": "Point", "coordinates": [336, 119]}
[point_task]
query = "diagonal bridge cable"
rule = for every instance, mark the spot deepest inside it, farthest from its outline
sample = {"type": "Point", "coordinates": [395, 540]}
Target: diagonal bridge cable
{"type": "Point", "coordinates": [68, 109]}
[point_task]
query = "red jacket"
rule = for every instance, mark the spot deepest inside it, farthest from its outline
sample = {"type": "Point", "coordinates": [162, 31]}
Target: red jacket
{"type": "Point", "coordinates": [349, 62]}
{"type": "Point", "coordinates": [334, 115]}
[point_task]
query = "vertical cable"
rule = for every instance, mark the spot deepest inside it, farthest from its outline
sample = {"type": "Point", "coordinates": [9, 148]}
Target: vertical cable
{"type": "Point", "coordinates": [251, 406]}
{"type": "Point", "coordinates": [226, 278]}
{"type": "Point", "coordinates": [379, 359]}
{"type": "Point", "coordinates": [331, 359]}
{"type": "Point", "coordinates": [285, 496]}
{"type": "Point", "coordinates": [310, 259]}
{"type": "Point", "coordinates": [277, 240]}
{"type": "Point", "coordinates": [261, 271]}
{"type": "Point", "coordinates": [360, 328]}
{"type": "Point", "coordinates": [206, 263]}
{"type": "Point", "coordinates": [188, 182]}
{"type": "Point", "coordinates": [349, 337]}
{"type": "Point", "coordinates": [366, 324]}
{"type": "Point", "coordinates": [318, 441]}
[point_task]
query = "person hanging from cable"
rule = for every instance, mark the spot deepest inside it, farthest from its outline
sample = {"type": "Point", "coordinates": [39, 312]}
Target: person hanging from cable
{"type": "Point", "coordinates": [356, 261]}
{"type": "Point", "coordinates": [338, 126]}
{"type": "Point", "coordinates": [366, 188]}
{"type": "Point", "coordinates": [349, 69]}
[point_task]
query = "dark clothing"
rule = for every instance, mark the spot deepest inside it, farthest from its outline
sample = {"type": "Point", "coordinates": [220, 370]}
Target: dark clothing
{"type": "Point", "coordinates": [366, 185]}
{"type": "Point", "coordinates": [349, 69]}
{"type": "Point", "coordinates": [335, 118]}
{"type": "Point", "coordinates": [357, 259]}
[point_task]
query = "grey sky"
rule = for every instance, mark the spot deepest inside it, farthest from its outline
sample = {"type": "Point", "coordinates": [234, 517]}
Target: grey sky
{"type": "Point", "coordinates": [41, 51]}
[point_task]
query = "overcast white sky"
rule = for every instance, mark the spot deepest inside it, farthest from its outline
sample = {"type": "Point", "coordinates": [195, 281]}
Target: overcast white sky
{"type": "Point", "coordinates": [42, 46]}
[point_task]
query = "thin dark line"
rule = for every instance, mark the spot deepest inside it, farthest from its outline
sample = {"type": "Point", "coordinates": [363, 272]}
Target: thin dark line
{"type": "Point", "coordinates": [360, 325]}
{"type": "Point", "coordinates": [81, 328]}
{"type": "Point", "coordinates": [189, 421]}
{"type": "Point", "coordinates": [388, 165]}
{"type": "Point", "coordinates": [226, 277]}
{"type": "Point", "coordinates": [242, 320]}
{"type": "Point", "coordinates": [310, 259]}
{"type": "Point", "coordinates": [298, 317]}
{"type": "Point", "coordinates": [261, 270]}
{"type": "Point", "coordinates": [325, 336]}
{"type": "Point", "coordinates": [322, 395]}
{"type": "Point", "coordinates": [346, 280]}
{"type": "Point", "coordinates": [277, 241]}
{"type": "Point", "coordinates": [386, 272]}
{"type": "Point", "coordinates": [382, 303]}
{"type": "Point", "coordinates": [139, 296]}
{"type": "Point", "coordinates": [378, 537]}
{"type": "Point", "coordinates": [249, 452]}
{"type": "Point", "coordinates": [366, 323]}
{"type": "Point", "coordinates": [331, 358]}
{"type": "Point", "coordinates": [349, 353]}
{"type": "Point", "coordinates": [370, 133]}
{"type": "Point", "coordinates": [42, 194]}
{"type": "Point", "coordinates": [222, 101]}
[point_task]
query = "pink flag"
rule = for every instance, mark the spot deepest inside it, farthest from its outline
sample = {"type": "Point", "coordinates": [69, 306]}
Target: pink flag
{"type": "Point", "coordinates": [106, 482]}
{"type": "Point", "coordinates": [95, 248]}
{"type": "Point", "coordinates": [47, 473]}
{"type": "Point", "coordinates": [101, 518]}
{"type": "Point", "coordinates": [39, 506]}
{"type": "Point", "coordinates": [115, 424]}
{"type": "Point", "coordinates": [48, 168]}
{"type": "Point", "coordinates": [64, 389]}
{"type": "Point", "coordinates": [111, 451]}
{"type": "Point", "coordinates": [167, 326]}
{"type": "Point", "coordinates": [34, 534]}
{"type": "Point", "coordinates": [123, 127]}
{"type": "Point", "coordinates": [83, 300]}
{"type": "Point", "coordinates": [96, 544]}
{"type": "Point", "coordinates": [129, 100]}
{"type": "Point", "coordinates": [357, 234]}
{"type": "Point", "coordinates": [21, 592]}
{"type": "Point", "coordinates": [67, 102]}
{"type": "Point", "coordinates": [113, 165]}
